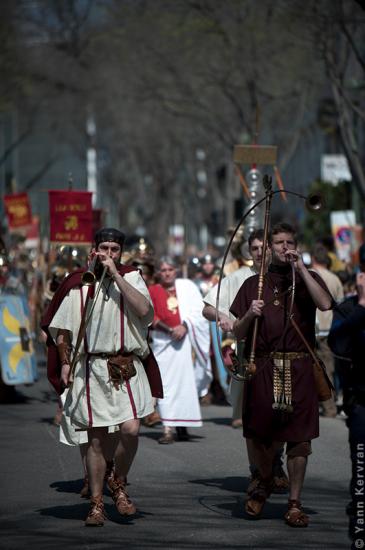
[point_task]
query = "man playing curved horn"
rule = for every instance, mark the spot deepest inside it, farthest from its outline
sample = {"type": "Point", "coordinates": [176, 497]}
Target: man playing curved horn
{"type": "Point", "coordinates": [281, 404]}
{"type": "Point", "coordinates": [229, 287]}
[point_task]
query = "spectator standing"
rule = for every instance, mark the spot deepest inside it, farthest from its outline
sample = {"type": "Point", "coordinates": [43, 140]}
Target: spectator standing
{"type": "Point", "coordinates": [320, 264]}
{"type": "Point", "coordinates": [179, 333]}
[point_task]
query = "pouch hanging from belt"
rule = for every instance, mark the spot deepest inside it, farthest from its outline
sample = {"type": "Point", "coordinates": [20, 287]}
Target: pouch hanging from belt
{"type": "Point", "coordinates": [120, 368]}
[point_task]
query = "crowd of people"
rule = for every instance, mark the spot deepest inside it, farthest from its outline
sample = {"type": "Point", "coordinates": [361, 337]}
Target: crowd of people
{"type": "Point", "coordinates": [136, 346]}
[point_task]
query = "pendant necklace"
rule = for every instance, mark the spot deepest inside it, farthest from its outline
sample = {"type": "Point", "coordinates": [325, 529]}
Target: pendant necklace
{"type": "Point", "coordinates": [276, 291]}
{"type": "Point", "coordinates": [276, 301]}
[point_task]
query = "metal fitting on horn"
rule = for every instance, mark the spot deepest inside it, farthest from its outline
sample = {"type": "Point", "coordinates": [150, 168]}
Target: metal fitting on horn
{"type": "Point", "coordinates": [88, 278]}
{"type": "Point", "coordinates": [314, 202]}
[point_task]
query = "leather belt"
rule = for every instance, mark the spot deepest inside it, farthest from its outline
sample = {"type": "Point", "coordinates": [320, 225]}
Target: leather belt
{"type": "Point", "coordinates": [288, 355]}
{"type": "Point", "coordinates": [104, 355]}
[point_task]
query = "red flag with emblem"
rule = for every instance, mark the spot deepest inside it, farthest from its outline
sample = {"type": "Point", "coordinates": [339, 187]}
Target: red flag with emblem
{"type": "Point", "coordinates": [18, 210]}
{"type": "Point", "coordinates": [71, 217]}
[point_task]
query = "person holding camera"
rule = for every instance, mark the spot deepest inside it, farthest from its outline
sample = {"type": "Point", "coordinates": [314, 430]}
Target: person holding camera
{"type": "Point", "coordinates": [347, 340]}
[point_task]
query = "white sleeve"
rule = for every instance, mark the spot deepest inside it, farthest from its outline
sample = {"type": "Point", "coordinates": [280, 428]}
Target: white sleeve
{"type": "Point", "coordinates": [135, 279]}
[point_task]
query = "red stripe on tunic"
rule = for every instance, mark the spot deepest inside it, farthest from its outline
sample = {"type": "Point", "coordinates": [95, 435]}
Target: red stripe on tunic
{"type": "Point", "coordinates": [88, 396]}
{"type": "Point", "coordinates": [180, 420]}
{"type": "Point", "coordinates": [87, 365]}
{"type": "Point", "coordinates": [121, 322]}
{"type": "Point", "coordinates": [128, 386]}
{"type": "Point", "coordinates": [131, 399]}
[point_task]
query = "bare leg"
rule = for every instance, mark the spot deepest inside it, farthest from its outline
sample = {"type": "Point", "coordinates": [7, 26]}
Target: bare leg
{"type": "Point", "coordinates": [263, 457]}
{"type": "Point", "coordinates": [127, 447]}
{"type": "Point", "coordinates": [84, 493]}
{"type": "Point", "coordinates": [83, 452]}
{"type": "Point", "coordinates": [124, 456]}
{"type": "Point", "coordinates": [111, 445]}
{"type": "Point", "coordinates": [296, 470]}
{"type": "Point", "coordinates": [95, 460]}
{"type": "Point", "coordinates": [250, 452]}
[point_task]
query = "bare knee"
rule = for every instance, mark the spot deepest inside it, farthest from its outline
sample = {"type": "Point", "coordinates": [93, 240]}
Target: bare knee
{"type": "Point", "coordinates": [301, 449]}
{"type": "Point", "coordinates": [130, 428]}
{"type": "Point", "coordinates": [96, 439]}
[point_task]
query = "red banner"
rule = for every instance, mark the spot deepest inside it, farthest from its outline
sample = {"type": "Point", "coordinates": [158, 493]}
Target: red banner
{"type": "Point", "coordinates": [18, 211]}
{"type": "Point", "coordinates": [70, 214]}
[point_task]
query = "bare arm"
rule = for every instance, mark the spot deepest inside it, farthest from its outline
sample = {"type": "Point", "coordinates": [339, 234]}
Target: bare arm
{"type": "Point", "coordinates": [209, 312]}
{"type": "Point", "coordinates": [319, 295]}
{"type": "Point", "coordinates": [64, 352]}
{"type": "Point", "coordinates": [241, 326]}
{"type": "Point", "coordinates": [132, 296]}
{"type": "Point", "coordinates": [321, 298]}
{"type": "Point", "coordinates": [360, 286]}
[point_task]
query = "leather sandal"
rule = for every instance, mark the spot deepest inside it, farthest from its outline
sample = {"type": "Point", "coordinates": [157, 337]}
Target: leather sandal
{"type": "Point", "coordinates": [253, 482]}
{"type": "Point", "coordinates": [166, 439]}
{"type": "Point", "coordinates": [151, 420]}
{"type": "Point", "coordinates": [96, 515]}
{"type": "Point", "coordinates": [295, 517]}
{"type": "Point", "coordinates": [257, 498]}
{"type": "Point", "coordinates": [280, 482]}
{"type": "Point", "coordinates": [121, 498]}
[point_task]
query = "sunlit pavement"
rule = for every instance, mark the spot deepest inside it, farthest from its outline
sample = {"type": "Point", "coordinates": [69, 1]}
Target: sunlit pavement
{"type": "Point", "coordinates": [188, 494]}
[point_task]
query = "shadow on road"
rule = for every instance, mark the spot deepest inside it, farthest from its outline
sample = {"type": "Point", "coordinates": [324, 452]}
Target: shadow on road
{"type": "Point", "coordinates": [156, 436]}
{"type": "Point", "coordinates": [73, 486]}
{"type": "Point", "coordinates": [219, 421]}
{"type": "Point", "coordinates": [79, 512]}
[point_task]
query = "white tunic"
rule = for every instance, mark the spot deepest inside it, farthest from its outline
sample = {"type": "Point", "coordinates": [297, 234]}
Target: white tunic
{"type": "Point", "coordinates": [230, 285]}
{"type": "Point", "coordinates": [93, 401]}
{"type": "Point", "coordinates": [179, 361]}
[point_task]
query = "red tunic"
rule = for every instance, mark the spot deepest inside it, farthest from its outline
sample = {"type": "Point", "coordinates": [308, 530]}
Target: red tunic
{"type": "Point", "coordinates": [276, 333]}
{"type": "Point", "coordinates": [170, 316]}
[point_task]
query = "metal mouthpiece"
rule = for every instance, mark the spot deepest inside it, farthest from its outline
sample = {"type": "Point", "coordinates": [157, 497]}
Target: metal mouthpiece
{"type": "Point", "coordinates": [314, 202]}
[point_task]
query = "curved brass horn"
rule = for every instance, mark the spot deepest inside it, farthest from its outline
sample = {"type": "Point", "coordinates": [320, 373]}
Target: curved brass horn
{"type": "Point", "coordinates": [88, 278]}
{"type": "Point", "coordinates": [314, 202]}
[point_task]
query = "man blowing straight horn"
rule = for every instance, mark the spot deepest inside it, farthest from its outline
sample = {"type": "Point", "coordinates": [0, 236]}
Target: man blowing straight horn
{"type": "Point", "coordinates": [114, 370]}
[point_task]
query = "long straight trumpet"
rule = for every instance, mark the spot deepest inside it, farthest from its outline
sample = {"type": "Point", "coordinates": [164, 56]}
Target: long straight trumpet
{"type": "Point", "coordinates": [86, 316]}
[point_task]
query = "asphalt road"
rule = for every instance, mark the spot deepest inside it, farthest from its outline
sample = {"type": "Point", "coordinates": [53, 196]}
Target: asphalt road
{"type": "Point", "coordinates": [189, 494]}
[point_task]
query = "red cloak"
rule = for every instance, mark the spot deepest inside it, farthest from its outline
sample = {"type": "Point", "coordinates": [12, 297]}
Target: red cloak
{"type": "Point", "coordinates": [53, 362]}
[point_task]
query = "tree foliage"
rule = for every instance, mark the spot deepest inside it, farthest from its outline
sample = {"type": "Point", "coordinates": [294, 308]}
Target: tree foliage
{"type": "Point", "coordinates": [164, 79]}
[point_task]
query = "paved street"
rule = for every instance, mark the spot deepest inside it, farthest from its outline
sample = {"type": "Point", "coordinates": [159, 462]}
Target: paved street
{"type": "Point", "coordinates": [189, 494]}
